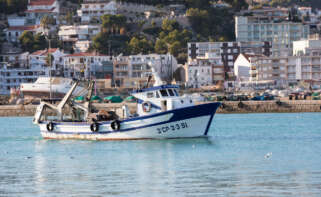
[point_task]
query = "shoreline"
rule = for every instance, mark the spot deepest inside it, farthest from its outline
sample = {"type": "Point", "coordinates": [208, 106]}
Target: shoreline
{"type": "Point", "coordinates": [227, 107]}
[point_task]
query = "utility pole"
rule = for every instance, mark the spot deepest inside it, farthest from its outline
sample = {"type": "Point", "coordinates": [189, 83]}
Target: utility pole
{"type": "Point", "coordinates": [50, 93]}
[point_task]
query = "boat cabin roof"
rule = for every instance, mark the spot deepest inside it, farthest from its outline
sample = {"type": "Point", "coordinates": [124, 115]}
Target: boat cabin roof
{"type": "Point", "coordinates": [157, 92]}
{"type": "Point", "coordinates": [155, 88]}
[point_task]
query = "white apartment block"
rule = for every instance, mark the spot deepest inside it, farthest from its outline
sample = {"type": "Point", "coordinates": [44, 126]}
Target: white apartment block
{"type": "Point", "coordinates": [132, 71]}
{"type": "Point", "coordinates": [85, 65]}
{"type": "Point", "coordinates": [270, 69]}
{"type": "Point", "coordinates": [77, 32]}
{"type": "Point", "coordinates": [39, 60]}
{"type": "Point", "coordinates": [39, 8]}
{"type": "Point", "coordinates": [227, 52]}
{"type": "Point", "coordinates": [218, 70]}
{"type": "Point", "coordinates": [243, 66]}
{"type": "Point", "coordinates": [14, 69]}
{"type": "Point", "coordinates": [307, 47]}
{"type": "Point", "coordinates": [270, 25]}
{"type": "Point", "coordinates": [78, 36]}
{"type": "Point", "coordinates": [95, 9]}
{"type": "Point", "coordinates": [198, 73]}
{"type": "Point", "coordinates": [305, 66]}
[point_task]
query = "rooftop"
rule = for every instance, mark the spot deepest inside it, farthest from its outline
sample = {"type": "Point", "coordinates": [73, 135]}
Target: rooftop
{"type": "Point", "coordinates": [81, 54]}
{"type": "Point", "coordinates": [40, 10]}
{"type": "Point", "coordinates": [23, 28]}
{"type": "Point", "coordinates": [41, 2]}
{"type": "Point", "coordinates": [44, 52]}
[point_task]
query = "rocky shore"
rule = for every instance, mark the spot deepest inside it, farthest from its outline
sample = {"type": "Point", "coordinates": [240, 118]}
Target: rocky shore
{"type": "Point", "coordinates": [226, 107]}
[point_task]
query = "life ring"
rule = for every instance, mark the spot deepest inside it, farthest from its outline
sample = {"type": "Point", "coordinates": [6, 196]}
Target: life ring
{"type": "Point", "coordinates": [94, 127]}
{"type": "Point", "coordinates": [147, 106]}
{"type": "Point", "coordinates": [50, 126]}
{"type": "Point", "coordinates": [115, 125]}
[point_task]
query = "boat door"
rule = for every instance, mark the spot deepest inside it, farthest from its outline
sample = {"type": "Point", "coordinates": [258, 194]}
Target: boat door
{"type": "Point", "coordinates": [164, 105]}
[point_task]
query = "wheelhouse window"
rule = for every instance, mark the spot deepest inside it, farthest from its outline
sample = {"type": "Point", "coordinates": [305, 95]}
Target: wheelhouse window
{"type": "Point", "coordinates": [175, 91]}
{"type": "Point", "coordinates": [170, 92]}
{"type": "Point", "coordinates": [157, 94]}
{"type": "Point", "coordinates": [163, 92]}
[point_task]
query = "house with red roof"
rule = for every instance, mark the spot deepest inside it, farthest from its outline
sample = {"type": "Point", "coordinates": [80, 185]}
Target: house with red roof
{"type": "Point", "coordinates": [38, 59]}
{"type": "Point", "coordinates": [39, 8]}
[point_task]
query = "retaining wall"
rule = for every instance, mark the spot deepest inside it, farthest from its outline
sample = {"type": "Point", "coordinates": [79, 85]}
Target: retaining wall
{"type": "Point", "coordinates": [226, 107]}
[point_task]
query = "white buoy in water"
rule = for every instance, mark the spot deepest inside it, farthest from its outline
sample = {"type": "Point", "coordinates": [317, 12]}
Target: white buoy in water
{"type": "Point", "coordinates": [268, 155]}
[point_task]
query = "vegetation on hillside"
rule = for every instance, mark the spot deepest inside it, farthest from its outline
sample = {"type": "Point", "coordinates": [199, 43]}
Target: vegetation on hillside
{"type": "Point", "coordinates": [13, 6]}
{"type": "Point", "coordinates": [287, 3]}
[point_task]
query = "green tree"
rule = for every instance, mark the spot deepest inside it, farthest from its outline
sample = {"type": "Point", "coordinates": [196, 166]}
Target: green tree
{"type": "Point", "coordinates": [113, 23]}
{"type": "Point", "coordinates": [30, 42]}
{"type": "Point", "coordinates": [110, 44]}
{"type": "Point", "coordinates": [174, 48]}
{"type": "Point", "coordinates": [27, 41]}
{"type": "Point", "coordinates": [161, 46]}
{"type": "Point", "coordinates": [40, 42]}
{"type": "Point", "coordinates": [134, 45]}
{"type": "Point", "coordinates": [137, 45]}
{"type": "Point", "coordinates": [169, 25]}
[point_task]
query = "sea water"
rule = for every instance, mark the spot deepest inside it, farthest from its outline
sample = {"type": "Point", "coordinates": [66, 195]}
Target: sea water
{"type": "Point", "coordinates": [246, 155]}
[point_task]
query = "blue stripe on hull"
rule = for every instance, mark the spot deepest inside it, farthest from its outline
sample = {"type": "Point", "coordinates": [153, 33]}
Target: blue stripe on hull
{"type": "Point", "coordinates": [178, 115]}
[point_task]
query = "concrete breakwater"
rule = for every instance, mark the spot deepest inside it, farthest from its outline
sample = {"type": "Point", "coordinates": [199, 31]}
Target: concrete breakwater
{"type": "Point", "coordinates": [226, 107]}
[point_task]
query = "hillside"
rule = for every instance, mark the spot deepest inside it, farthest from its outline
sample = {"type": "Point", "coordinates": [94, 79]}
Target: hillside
{"type": "Point", "coordinates": [287, 3]}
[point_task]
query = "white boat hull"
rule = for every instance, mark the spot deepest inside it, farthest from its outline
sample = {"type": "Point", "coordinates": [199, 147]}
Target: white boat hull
{"type": "Point", "coordinates": [171, 124]}
{"type": "Point", "coordinates": [195, 128]}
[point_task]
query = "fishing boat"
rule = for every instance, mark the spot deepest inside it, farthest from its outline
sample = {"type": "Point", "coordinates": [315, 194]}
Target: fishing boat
{"type": "Point", "coordinates": [161, 114]}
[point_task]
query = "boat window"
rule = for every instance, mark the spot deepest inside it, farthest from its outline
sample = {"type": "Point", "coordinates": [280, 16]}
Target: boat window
{"type": "Point", "coordinates": [163, 92]}
{"type": "Point", "coordinates": [150, 94]}
{"type": "Point", "coordinates": [170, 92]}
{"type": "Point", "coordinates": [157, 95]}
{"type": "Point", "coordinates": [176, 93]}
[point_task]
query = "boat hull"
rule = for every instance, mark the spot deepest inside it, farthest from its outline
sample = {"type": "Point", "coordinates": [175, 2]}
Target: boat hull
{"type": "Point", "coordinates": [185, 122]}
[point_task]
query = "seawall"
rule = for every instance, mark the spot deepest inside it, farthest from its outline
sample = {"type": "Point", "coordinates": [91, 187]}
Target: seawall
{"type": "Point", "coordinates": [226, 107]}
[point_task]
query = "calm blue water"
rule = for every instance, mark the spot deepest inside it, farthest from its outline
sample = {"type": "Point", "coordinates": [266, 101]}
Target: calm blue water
{"type": "Point", "coordinates": [230, 163]}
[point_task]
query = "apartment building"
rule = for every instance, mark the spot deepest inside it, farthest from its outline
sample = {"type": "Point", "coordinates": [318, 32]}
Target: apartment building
{"type": "Point", "coordinates": [79, 37]}
{"type": "Point", "coordinates": [39, 8]}
{"type": "Point", "coordinates": [304, 65]}
{"type": "Point", "coordinates": [227, 52]}
{"type": "Point", "coordinates": [198, 73]}
{"type": "Point", "coordinates": [15, 69]}
{"type": "Point", "coordinates": [243, 67]}
{"type": "Point", "coordinates": [272, 25]}
{"type": "Point", "coordinates": [133, 71]}
{"type": "Point", "coordinates": [39, 60]}
{"type": "Point", "coordinates": [306, 61]}
{"type": "Point", "coordinates": [93, 9]}
{"type": "Point", "coordinates": [88, 66]}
